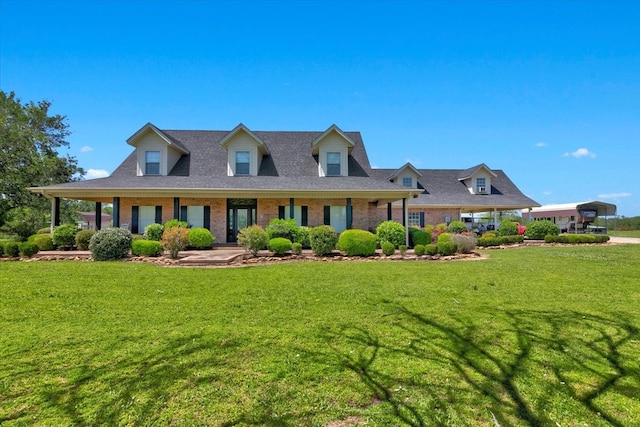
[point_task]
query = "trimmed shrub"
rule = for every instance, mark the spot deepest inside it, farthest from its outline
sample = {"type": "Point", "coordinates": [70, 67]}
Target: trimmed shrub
{"type": "Point", "coordinates": [465, 244]}
{"type": "Point", "coordinates": [110, 244]}
{"type": "Point", "coordinates": [28, 249]}
{"type": "Point", "coordinates": [302, 236]}
{"type": "Point", "coordinates": [431, 249]}
{"type": "Point", "coordinates": [175, 223]}
{"type": "Point", "coordinates": [456, 227]}
{"type": "Point", "coordinates": [419, 250]}
{"type": "Point", "coordinates": [447, 248]}
{"type": "Point", "coordinates": [510, 240]}
{"type": "Point", "coordinates": [419, 237]}
{"type": "Point", "coordinates": [64, 236]}
{"type": "Point", "coordinates": [488, 241]}
{"type": "Point", "coordinates": [83, 238]}
{"type": "Point", "coordinates": [388, 248]}
{"type": "Point", "coordinates": [444, 237]}
{"type": "Point", "coordinates": [153, 232]}
{"type": "Point", "coordinates": [390, 231]}
{"type": "Point", "coordinates": [539, 229]}
{"type": "Point", "coordinates": [282, 228]}
{"type": "Point", "coordinates": [44, 241]}
{"type": "Point", "coordinates": [200, 238]}
{"type": "Point", "coordinates": [143, 247]}
{"type": "Point", "coordinates": [12, 249]}
{"type": "Point", "coordinates": [356, 242]}
{"type": "Point", "coordinates": [296, 248]}
{"type": "Point", "coordinates": [279, 245]}
{"type": "Point", "coordinates": [323, 239]}
{"type": "Point", "coordinates": [402, 249]}
{"type": "Point", "coordinates": [175, 239]}
{"type": "Point", "coordinates": [576, 238]}
{"type": "Point", "coordinates": [253, 239]}
{"type": "Point", "coordinates": [508, 228]}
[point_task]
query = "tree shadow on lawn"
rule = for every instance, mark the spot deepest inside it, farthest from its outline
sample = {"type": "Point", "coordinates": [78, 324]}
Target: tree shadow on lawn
{"type": "Point", "coordinates": [576, 356]}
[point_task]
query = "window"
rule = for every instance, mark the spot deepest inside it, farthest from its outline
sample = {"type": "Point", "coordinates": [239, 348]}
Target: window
{"type": "Point", "coordinates": [338, 218]}
{"type": "Point", "coordinates": [481, 185]}
{"type": "Point", "coordinates": [152, 163]}
{"type": "Point", "coordinates": [414, 219]}
{"type": "Point", "coordinates": [242, 162]}
{"type": "Point", "coordinates": [195, 216]}
{"type": "Point", "coordinates": [333, 164]}
{"type": "Point", "coordinates": [407, 181]}
{"type": "Point", "coordinates": [146, 216]}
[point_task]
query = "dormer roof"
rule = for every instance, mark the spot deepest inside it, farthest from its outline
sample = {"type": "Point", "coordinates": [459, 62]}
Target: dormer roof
{"type": "Point", "coordinates": [224, 142]}
{"type": "Point", "coordinates": [468, 173]}
{"type": "Point", "coordinates": [406, 166]}
{"type": "Point", "coordinates": [149, 127]}
{"type": "Point", "coordinates": [333, 128]}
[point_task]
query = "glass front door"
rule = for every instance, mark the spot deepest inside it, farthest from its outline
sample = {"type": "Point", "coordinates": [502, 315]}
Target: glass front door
{"type": "Point", "coordinates": [241, 213]}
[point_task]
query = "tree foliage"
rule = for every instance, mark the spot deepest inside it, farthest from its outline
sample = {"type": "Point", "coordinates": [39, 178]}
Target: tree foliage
{"type": "Point", "coordinates": [30, 138]}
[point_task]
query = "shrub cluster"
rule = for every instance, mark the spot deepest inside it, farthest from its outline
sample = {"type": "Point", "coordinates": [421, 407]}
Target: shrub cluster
{"type": "Point", "coordinates": [539, 229]}
{"type": "Point", "coordinates": [357, 242]}
{"type": "Point", "coordinates": [282, 228]}
{"type": "Point", "coordinates": [28, 249]}
{"type": "Point", "coordinates": [143, 247]}
{"type": "Point", "coordinates": [447, 247]}
{"type": "Point", "coordinates": [110, 244]}
{"type": "Point", "coordinates": [508, 228]}
{"type": "Point", "coordinates": [390, 231]}
{"type": "Point", "coordinates": [64, 236]}
{"type": "Point", "coordinates": [456, 227]}
{"type": "Point", "coordinates": [388, 248]}
{"type": "Point", "coordinates": [253, 239]}
{"type": "Point", "coordinates": [44, 241]}
{"type": "Point", "coordinates": [200, 238]}
{"type": "Point", "coordinates": [153, 232]}
{"type": "Point", "coordinates": [577, 238]}
{"type": "Point", "coordinates": [323, 239]}
{"type": "Point", "coordinates": [12, 249]}
{"type": "Point", "coordinates": [302, 236]}
{"type": "Point", "coordinates": [279, 245]}
{"type": "Point", "coordinates": [83, 238]}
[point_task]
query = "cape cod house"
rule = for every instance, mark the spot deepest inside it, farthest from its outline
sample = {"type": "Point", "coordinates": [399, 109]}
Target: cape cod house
{"type": "Point", "coordinates": [226, 180]}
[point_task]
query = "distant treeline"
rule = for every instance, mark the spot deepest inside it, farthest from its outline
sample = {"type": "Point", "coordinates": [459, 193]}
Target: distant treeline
{"type": "Point", "coordinates": [620, 223]}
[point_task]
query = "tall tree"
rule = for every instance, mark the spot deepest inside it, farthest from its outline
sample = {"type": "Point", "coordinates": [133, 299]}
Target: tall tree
{"type": "Point", "coordinates": [29, 142]}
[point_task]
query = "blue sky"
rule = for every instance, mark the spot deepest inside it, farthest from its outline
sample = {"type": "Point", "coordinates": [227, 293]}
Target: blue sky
{"type": "Point", "coordinates": [547, 91]}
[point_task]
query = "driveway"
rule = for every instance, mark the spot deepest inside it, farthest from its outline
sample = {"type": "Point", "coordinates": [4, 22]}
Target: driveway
{"type": "Point", "coordinates": [633, 240]}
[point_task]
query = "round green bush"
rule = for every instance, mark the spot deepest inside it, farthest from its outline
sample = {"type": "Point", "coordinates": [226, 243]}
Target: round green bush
{"type": "Point", "coordinates": [356, 242]}
{"type": "Point", "coordinates": [142, 247]}
{"type": "Point", "coordinates": [153, 232]}
{"type": "Point", "coordinates": [296, 248]}
{"type": "Point", "coordinates": [83, 238]}
{"type": "Point", "coordinates": [200, 238]}
{"type": "Point", "coordinates": [282, 228]}
{"type": "Point", "coordinates": [447, 248]}
{"type": "Point", "coordinates": [508, 228]}
{"type": "Point", "coordinates": [456, 227]}
{"type": "Point", "coordinates": [444, 237]}
{"type": "Point", "coordinates": [323, 239]}
{"type": "Point", "coordinates": [64, 236]}
{"type": "Point", "coordinates": [44, 241]}
{"type": "Point", "coordinates": [431, 249]}
{"type": "Point", "coordinates": [388, 248]}
{"type": "Point", "coordinates": [12, 249]}
{"type": "Point", "coordinates": [402, 249]}
{"type": "Point", "coordinates": [279, 245]}
{"type": "Point", "coordinates": [390, 231]}
{"type": "Point", "coordinates": [110, 244]}
{"type": "Point", "coordinates": [419, 237]}
{"type": "Point", "coordinates": [539, 229]}
{"type": "Point", "coordinates": [28, 249]}
{"type": "Point", "coordinates": [419, 250]}
{"type": "Point", "coordinates": [253, 238]}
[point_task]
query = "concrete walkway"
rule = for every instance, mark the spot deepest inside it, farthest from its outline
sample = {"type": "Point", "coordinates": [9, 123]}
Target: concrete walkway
{"type": "Point", "coordinates": [620, 240]}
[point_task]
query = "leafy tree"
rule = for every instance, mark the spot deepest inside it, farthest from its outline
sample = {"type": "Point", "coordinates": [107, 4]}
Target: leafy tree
{"type": "Point", "coordinates": [30, 138]}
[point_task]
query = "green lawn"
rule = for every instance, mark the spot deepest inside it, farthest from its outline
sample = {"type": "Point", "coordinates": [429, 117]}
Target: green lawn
{"type": "Point", "coordinates": [629, 233]}
{"type": "Point", "coordinates": [531, 336]}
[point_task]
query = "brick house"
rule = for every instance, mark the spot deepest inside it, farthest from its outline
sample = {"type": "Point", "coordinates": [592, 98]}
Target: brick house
{"type": "Point", "coordinates": [226, 180]}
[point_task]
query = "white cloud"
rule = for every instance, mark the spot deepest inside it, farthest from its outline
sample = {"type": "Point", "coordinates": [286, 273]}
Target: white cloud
{"type": "Point", "coordinates": [613, 195]}
{"type": "Point", "coordinates": [95, 173]}
{"type": "Point", "coordinates": [547, 193]}
{"type": "Point", "coordinates": [86, 149]}
{"type": "Point", "coordinates": [581, 152]}
{"type": "Point", "coordinates": [541, 144]}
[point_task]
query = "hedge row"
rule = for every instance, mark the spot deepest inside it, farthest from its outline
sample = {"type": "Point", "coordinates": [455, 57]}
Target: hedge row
{"type": "Point", "coordinates": [498, 241]}
{"type": "Point", "coordinates": [577, 238]}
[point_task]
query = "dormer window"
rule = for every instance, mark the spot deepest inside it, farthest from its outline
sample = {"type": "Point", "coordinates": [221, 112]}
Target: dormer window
{"type": "Point", "coordinates": [243, 162]}
{"type": "Point", "coordinates": [152, 163]}
{"type": "Point", "coordinates": [407, 181]}
{"type": "Point", "coordinates": [333, 164]}
{"type": "Point", "coordinates": [481, 185]}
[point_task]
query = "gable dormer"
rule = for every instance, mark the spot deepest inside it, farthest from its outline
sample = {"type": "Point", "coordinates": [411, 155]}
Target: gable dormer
{"type": "Point", "coordinates": [332, 148]}
{"type": "Point", "coordinates": [156, 152]}
{"type": "Point", "coordinates": [477, 179]}
{"type": "Point", "coordinates": [244, 151]}
{"type": "Point", "coordinates": [407, 176]}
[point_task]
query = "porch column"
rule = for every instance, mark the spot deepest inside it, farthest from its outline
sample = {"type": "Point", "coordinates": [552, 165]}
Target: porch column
{"type": "Point", "coordinates": [389, 211]}
{"type": "Point", "coordinates": [55, 212]}
{"type": "Point", "coordinates": [176, 208]}
{"type": "Point", "coordinates": [116, 212]}
{"type": "Point", "coordinates": [349, 214]}
{"type": "Point", "coordinates": [291, 209]}
{"type": "Point", "coordinates": [98, 216]}
{"type": "Point", "coordinates": [405, 219]}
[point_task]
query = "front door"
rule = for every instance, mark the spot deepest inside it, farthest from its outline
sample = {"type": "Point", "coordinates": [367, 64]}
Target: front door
{"type": "Point", "coordinates": [241, 213]}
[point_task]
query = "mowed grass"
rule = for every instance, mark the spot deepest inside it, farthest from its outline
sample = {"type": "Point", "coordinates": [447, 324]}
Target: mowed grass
{"type": "Point", "coordinates": [531, 336]}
